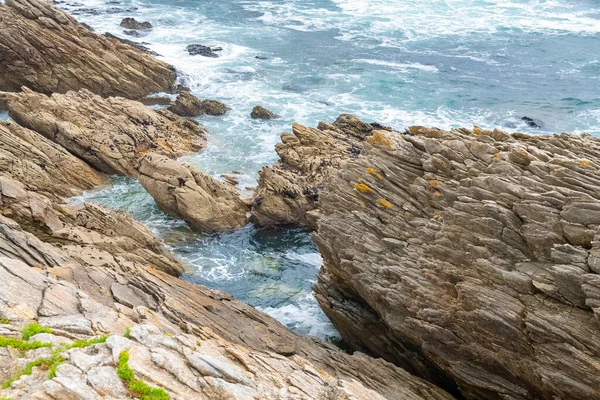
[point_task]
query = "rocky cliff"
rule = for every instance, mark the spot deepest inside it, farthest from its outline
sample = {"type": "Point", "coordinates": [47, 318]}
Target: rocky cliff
{"type": "Point", "coordinates": [469, 257]}
{"type": "Point", "coordinates": [46, 50]}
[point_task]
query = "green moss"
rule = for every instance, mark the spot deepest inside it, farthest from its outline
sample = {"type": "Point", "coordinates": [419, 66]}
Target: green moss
{"type": "Point", "coordinates": [21, 344]}
{"type": "Point", "coordinates": [4, 321]}
{"type": "Point", "coordinates": [79, 344]}
{"type": "Point", "coordinates": [33, 329]}
{"type": "Point", "coordinates": [56, 361]}
{"type": "Point", "coordinates": [127, 333]}
{"type": "Point", "coordinates": [140, 388]}
{"type": "Point", "coordinates": [50, 363]}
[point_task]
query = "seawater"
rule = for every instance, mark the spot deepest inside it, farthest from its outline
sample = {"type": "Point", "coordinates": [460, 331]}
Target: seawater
{"type": "Point", "coordinates": [438, 63]}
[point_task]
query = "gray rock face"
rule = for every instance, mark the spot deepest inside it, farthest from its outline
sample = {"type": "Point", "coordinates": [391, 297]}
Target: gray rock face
{"type": "Point", "coordinates": [469, 258]}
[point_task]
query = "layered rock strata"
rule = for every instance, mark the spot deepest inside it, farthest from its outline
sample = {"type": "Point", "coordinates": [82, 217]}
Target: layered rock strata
{"type": "Point", "coordinates": [183, 192]}
{"type": "Point", "coordinates": [470, 255]}
{"type": "Point", "coordinates": [47, 50]}
{"type": "Point", "coordinates": [111, 134]}
{"type": "Point", "coordinates": [288, 192]}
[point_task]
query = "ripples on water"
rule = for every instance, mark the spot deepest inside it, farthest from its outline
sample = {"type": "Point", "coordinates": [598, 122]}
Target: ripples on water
{"type": "Point", "coordinates": [445, 63]}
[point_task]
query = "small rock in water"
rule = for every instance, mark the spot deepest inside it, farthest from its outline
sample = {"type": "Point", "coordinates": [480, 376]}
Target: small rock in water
{"type": "Point", "coordinates": [132, 23]}
{"type": "Point", "coordinates": [200, 50]}
{"type": "Point", "coordinates": [188, 105]}
{"type": "Point", "coordinates": [532, 123]}
{"type": "Point", "coordinates": [259, 112]}
{"type": "Point", "coordinates": [261, 58]}
{"type": "Point", "coordinates": [133, 33]}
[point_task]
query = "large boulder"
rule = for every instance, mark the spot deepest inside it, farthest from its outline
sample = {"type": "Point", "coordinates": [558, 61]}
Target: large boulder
{"type": "Point", "coordinates": [288, 192]}
{"type": "Point", "coordinates": [469, 257]}
{"type": "Point", "coordinates": [111, 134]}
{"type": "Point", "coordinates": [259, 112]}
{"type": "Point", "coordinates": [194, 196]}
{"type": "Point", "coordinates": [188, 105]}
{"type": "Point", "coordinates": [45, 49]}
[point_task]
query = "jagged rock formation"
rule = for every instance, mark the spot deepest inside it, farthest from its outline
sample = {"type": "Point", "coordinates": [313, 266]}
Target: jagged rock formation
{"type": "Point", "coordinates": [111, 134]}
{"type": "Point", "coordinates": [132, 23]}
{"type": "Point", "coordinates": [288, 192]}
{"type": "Point", "coordinates": [470, 256]}
{"type": "Point", "coordinates": [196, 197]}
{"type": "Point", "coordinates": [47, 50]}
{"type": "Point", "coordinates": [259, 112]}
{"type": "Point", "coordinates": [188, 105]}
{"type": "Point", "coordinates": [41, 165]}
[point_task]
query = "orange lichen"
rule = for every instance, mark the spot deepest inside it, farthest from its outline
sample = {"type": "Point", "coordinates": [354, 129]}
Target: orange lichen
{"type": "Point", "coordinates": [374, 172]}
{"type": "Point", "coordinates": [585, 163]}
{"type": "Point", "coordinates": [497, 155]}
{"type": "Point", "coordinates": [385, 203]}
{"type": "Point", "coordinates": [380, 138]}
{"type": "Point", "coordinates": [433, 183]}
{"type": "Point", "coordinates": [437, 194]}
{"type": "Point", "coordinates": [523, 153]}
{"type": "Point", "coordinates": [476, 130]}
{"type": "Point", "coordinates": [361, 187]}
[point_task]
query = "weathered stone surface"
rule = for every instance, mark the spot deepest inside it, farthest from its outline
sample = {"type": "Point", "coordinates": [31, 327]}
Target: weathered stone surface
{"type": "Point", "coordinates": [132, 23]}
{"type": "Point", "coordinates": [259, 112]}
{"type": "Point", "coordinates": [188, 105]}
{"type": "Point", "coordinates": [466, 257]}
{"type": "Point", "coordinates": [290, 188]}
{"type": "Point", "coordinates": [41, 165]}
{"type": "Point", "coordinates": [45, 49]}
{"type": "Point", "coordinates": [196, 197]}
{"type": "Point", "coordinates": [111, 134]}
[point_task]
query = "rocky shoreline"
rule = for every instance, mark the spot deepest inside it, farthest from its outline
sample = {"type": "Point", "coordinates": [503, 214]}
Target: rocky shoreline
{"type": "Point", "coordinates": [456, 263]}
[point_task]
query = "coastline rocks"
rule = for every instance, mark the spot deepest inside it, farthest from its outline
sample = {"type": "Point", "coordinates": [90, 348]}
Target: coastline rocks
{"type": "Point", "coordinates": [196, 197]}
{"type": "Point", "coordinates": [132, 23]}
{"type": "Point", "coordinates": [200, 50]}
{"type": "Point", "coordinates": [469, 257]}
{"type": "Point", "coordinates": [110, 134]}
{"type": "Point", "coordinates": [259, 112]}
{"type": "Point", "coordinates": [288, 192]}
{"type": "Point", "coordinates": [188, 105]}
{"type": "Point", "coordinates": [45, 49]}
{"type": "Point", "coordinates": [41, 165]}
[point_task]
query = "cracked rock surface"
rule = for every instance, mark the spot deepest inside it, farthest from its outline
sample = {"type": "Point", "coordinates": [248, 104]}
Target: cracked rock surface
{"type": "Point", "coordinates": [45, 49]}
{"type": "Point", "coordinates": [471, 258]}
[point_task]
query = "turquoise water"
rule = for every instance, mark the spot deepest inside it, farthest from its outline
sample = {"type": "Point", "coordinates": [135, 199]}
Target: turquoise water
{"type": "Point", "coordinates": [435, 63]}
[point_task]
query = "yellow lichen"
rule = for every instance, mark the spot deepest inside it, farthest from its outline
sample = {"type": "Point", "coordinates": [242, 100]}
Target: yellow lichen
{"type": "Point", "coordinates": [437, 194]}
{"type": "Point", "coordinates": [385, 203]}
{"type": "Point", "coordinates": [361, 187]}
{"type": "Point", "coordinates": [476, 130]}
{"type": "Point", "coordinates": [585, 163]}
{"type": "Point", "coordinates": [497, 155]}
{"type": "Point", "coordinates": [380, 138]}
{"type": "Point", "coordinates": [374, 172]}
{"type": "Point", "coordinates": [523, 153]}
{"type": "Point", "coordinates": [433, 183]}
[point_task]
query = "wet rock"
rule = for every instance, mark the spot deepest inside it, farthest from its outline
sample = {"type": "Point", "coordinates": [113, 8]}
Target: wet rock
{"type": "Point", "coordinates": [468, 253]}
{"type": "Point", "coordinates": [259, 112]}
{"type": "Point", "coordinates": [111, 134]}
{"type": "Point", "coordinates": [184, 192]}
{"type": "Point", "coordinates": [533, 123]}
{"type": "Point", "coordinates": [200, 50]}
{"type": "Point", "coordinates": [132, 33]}
{"type": "Point", "coordinates": [132, 23]}
{"type": "Point", "coordinates": [131, 43]}
{"type": "Point", "coordinates": [48, 51]}
{"type": "Point", "coordinates": [188, 105]}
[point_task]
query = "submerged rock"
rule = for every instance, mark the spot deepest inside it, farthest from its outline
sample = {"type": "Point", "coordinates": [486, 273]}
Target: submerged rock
{"type": "Point", "coordinates": [132, 23]}
{"type": "Point", "coordinates": [196, 197]}
{"type": "Point", "coordinates": [43, 48]}
{"type": "Point", "coordinates": [532, 123]}
{"type": "Point", "coordinates": [259, 112]}
{"type": "Point", "coordinates": [200, 50]}
{"type": "Point", "coordinates": [110, 134]}
{"type": "Point", "coordinates": [469, 258]}
{"type": "Point", "coordinates": [188, 105]}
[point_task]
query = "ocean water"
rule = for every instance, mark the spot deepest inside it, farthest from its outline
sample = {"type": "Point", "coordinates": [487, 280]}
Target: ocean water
{"type": "Point", "coordinates": [445, 63]}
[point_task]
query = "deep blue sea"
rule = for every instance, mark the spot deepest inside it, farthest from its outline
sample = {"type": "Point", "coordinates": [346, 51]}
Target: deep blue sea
{"type": "Point", "coordinates": [438, 63]}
